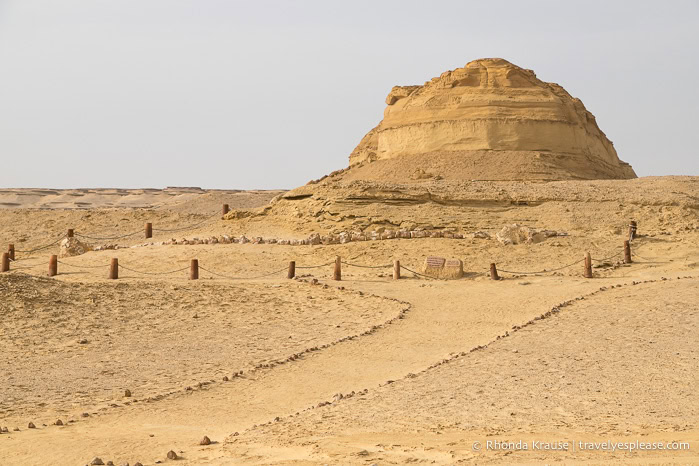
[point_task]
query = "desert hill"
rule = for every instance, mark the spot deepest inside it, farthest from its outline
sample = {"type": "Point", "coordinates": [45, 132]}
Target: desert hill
{"type": "Point", "coordinates": [492, 120]}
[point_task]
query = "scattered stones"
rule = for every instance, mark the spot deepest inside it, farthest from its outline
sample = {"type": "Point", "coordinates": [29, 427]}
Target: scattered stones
{"type": "Point", "coordinates": [205, 441]}
{"type": "Point", "coordinates": [314, 239]}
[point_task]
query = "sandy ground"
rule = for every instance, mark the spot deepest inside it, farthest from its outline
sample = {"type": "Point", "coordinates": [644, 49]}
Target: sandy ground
{"type": "Point", "coordinates": [620, 364]}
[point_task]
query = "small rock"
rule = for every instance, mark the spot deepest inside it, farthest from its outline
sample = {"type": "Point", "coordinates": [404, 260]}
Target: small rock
{"type": "Point", "coordinates": [205, 441]}
{"type": "Point", "coordinates": [96, 461]}
{"type": "Point", "coordinates": [31, 425]}
{"type": "Point", "coordinates": [110, 463]}
{"type": "Point", "coordinates": [59, 423]}
{"type": "Point", "coordinates": [83, 341]}
{"type": "Point", "coordinates": [16, 429]}
{"type": "Point", "coordinates": [171, 455]}
{"type": "Point", "coordinates": [127, 393]}
{"type": "Point", "coordinates": [85, 414]}
{"type": "Point", "coordinates": [225, 378]}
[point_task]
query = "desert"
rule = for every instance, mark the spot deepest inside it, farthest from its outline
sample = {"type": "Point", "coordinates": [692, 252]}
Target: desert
{"type": "Point", "coordinates": [486, 281]}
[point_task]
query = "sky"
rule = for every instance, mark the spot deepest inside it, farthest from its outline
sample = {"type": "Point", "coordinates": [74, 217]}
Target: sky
{"type": "Point", "coordinates": [271, 94]}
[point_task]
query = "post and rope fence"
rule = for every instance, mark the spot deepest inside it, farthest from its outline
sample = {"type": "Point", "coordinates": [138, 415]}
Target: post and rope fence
{"type": "Point", "coordinates": [586, 260]}
{"type": "Point", "coordinates": [337, 271]}
{"type": "Point", "coordinates": [588, 266]}
{"type": "Point", "coordinates": [494, 272]}
{"type": "Point", "coordinates": [53, 265]}
{"type": "Point", "coordinates": [72, 233]}
{"type": "Point", "coordinates": [194, 267]}
{"type": "Point", "coordinates": [114, 269]}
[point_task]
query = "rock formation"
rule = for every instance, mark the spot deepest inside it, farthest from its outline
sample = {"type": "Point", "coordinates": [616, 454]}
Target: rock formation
{"type": "Point", "coordinates": [492, 120]}
{"type": "Point", "coordinates": [73, 247]}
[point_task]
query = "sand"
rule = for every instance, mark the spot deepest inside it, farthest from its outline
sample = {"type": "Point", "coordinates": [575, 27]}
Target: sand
{"type": "Point", "coordinates": [369, 369]}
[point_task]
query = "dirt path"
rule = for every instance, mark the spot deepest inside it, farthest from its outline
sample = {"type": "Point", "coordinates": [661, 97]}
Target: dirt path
{"type": "Point", "coordinates": [445, 318]}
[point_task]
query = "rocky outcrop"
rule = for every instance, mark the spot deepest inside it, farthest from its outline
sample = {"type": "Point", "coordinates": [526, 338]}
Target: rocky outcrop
{"type": "Point", "coordinates": [499, 119]}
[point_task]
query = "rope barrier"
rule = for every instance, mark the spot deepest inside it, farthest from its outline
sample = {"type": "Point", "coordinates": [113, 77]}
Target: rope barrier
{"type": "Point", "coordinates": [102, 238]}
{"type": "Point", "coordinates": [242, 278]}
{"type": "Point", "coordinates": [82, 266]}
{"type": "Point", "coordinates": [415, 273]}
{"type": "Point", "coordinates": [648, 261]}
{"type": "Point", "coordinates": [189, 227]}
{"type": "Point", "coordinates": [542, 271]}
{"type": "Point", "coordinates": [152, 273]}
{"type": "Point", "coordinates": [41, 248]}
{"type": "Point", "coordinates": [367, 266]}
{"type": "Point", "coordinates": [610, 257]}
{"type": "Point", "coordinates": [314, 266]}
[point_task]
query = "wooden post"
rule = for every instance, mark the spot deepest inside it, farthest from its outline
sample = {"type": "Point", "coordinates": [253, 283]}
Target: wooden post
{"type": "Point", "coordinates": [11, 251]}
{"type": "Point", "coordinates": [53, 265]}
{"type": "Point", "coordinates": [225, 209]}
{"type": "Point", "coordinates": [114, 269]}
{"type": "Point", "coordinates": [396, 270]}
{"type": "Point", "coordinates": [627, 252]}
{"type": "Point", "coordinates": [632, 230]}
{"type": "Point", "coordinates": [149, 230]}
{"type": "Point", "coordinates": [337, 272]}
{"type": "Point", "coordinates": [5, 262]}
{"type": "Point", "coordinates": [70, 233]}
{"type": "Point", "coordinates": [588, 266]}
{"type": "Point", "coordinates": [494, 272]}
{"type": "Point", "coordinates": [292, 270]}
{"type": "Point", "coordinates": [194, 269]}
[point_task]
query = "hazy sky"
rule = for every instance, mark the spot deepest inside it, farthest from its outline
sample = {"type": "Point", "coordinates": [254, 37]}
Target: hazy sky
{"type": "Point", "coordinates": [271, 94]}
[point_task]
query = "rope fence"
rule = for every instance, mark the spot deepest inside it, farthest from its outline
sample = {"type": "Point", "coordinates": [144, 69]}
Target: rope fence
{"type": "Point", "coordinates": [194, 266]}
{"type": "Point", "coordinates": [148, 233]}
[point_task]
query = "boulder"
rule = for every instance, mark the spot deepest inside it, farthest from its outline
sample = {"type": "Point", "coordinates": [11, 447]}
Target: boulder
{"type": "Point", "coordinates": [314, 239]}
{"type": "Point", "coordinates": [73, 247]}
{"type": "Point", "coordinates": [519, 234]}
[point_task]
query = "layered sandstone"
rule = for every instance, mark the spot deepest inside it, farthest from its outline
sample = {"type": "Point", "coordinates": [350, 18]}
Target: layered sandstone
{"type": "Point", "coordinates": [493, 120]}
